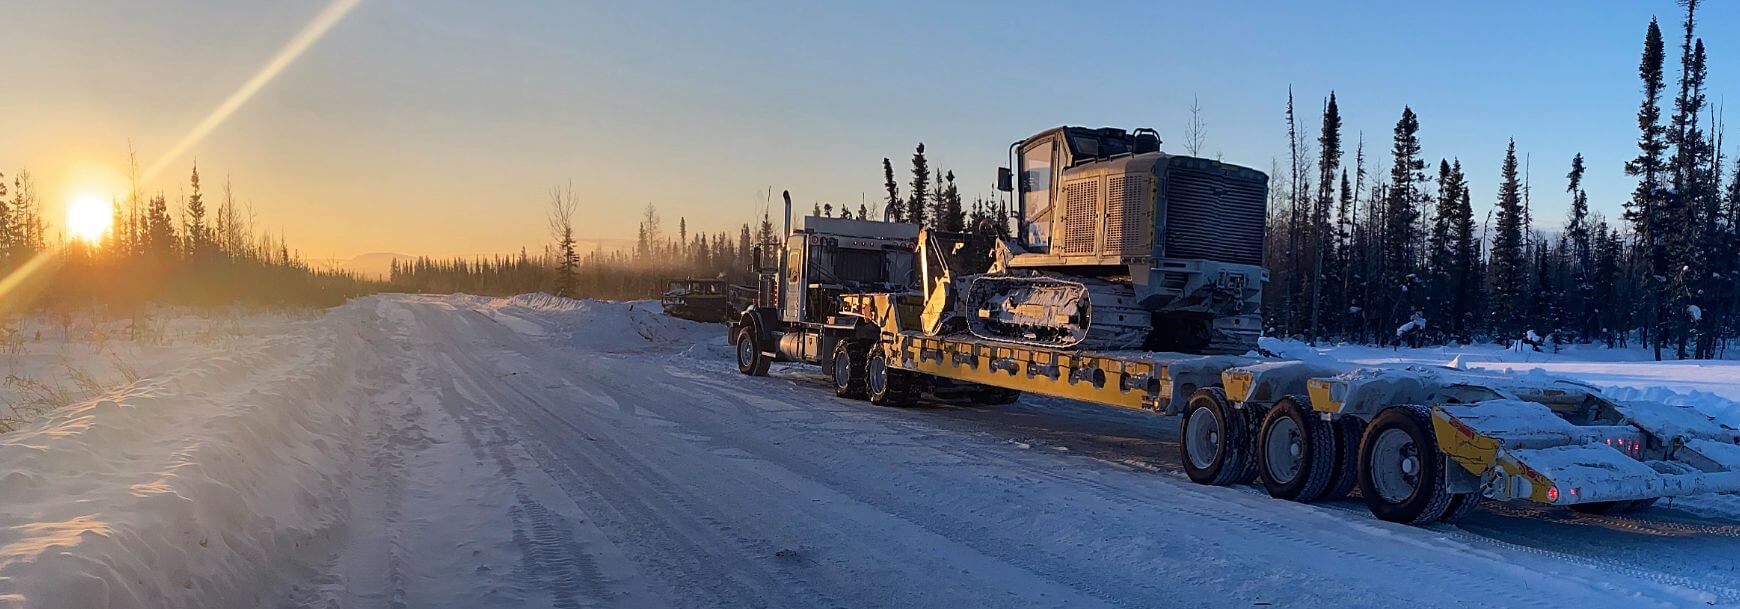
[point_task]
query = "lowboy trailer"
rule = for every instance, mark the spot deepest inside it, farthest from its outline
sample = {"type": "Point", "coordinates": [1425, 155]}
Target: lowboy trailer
{"type": "Point", "coordinates": [1421, 443]}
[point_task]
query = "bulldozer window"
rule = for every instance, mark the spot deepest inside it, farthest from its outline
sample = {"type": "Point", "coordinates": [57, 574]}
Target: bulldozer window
{"type": "Point", "coordinates": [1036, 164]}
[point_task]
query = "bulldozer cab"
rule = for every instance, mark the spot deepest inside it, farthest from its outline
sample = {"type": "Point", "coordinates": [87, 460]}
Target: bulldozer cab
{"type": "Point", "coordinates": [1039, 162]}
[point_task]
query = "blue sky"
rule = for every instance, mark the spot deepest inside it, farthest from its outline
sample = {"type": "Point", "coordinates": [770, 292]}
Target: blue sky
{"type": "Point", "coordinates": [438, 126]}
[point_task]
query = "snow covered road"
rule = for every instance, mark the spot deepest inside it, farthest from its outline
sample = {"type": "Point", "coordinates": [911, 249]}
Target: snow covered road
{"type": "Point", "coordinates": [545, 453]}
{"type": "Point", "coordinates": [608, 456]}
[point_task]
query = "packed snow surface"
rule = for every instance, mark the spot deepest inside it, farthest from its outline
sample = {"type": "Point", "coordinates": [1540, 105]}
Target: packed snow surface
{"type": "Point", "coordinates": [458, 451]}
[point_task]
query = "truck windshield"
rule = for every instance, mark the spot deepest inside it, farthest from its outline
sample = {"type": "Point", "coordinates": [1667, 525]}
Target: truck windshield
{"type": "Point", "coordinates": [860, 266]}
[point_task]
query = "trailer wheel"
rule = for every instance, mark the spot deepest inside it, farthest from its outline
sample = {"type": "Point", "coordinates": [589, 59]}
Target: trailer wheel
{"type": "Point", "coordinates": [1642, 504]}
{"type": "Point", "coordinates": [995, 396]}
{"type": "Point", "coordinates": [1401, 472]}
{"type": "Point", "coordinates": [848, 369]}
{"type": "Point", "coordinates": [886, 385]}
{"type": "Point", "coordinates": [1345, 473]}
{"type": "Point", "coordinates": [1613, 507]}
{"type": "Point", "coordinates": [750, 359]}
{"type": "Point", "coordinates": [1295, 451]}
{"type": "Point", "coordinates": [1214, 438]}
{"type": "Point", "coordinates": [1461, 505]}
{"type": "Point", "coordinates": [1598, 507]}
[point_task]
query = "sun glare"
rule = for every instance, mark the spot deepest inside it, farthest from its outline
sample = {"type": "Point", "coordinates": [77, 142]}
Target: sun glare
{"type": "Point", "coordinates": [88, 219]}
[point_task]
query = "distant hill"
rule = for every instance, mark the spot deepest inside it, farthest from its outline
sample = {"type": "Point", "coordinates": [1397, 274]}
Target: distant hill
{"type": "Point", "coordinates": [377, 265]}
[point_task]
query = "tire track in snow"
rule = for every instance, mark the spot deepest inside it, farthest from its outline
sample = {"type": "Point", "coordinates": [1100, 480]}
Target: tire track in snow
{"type": "Point", "coordinates": [1475, 580]}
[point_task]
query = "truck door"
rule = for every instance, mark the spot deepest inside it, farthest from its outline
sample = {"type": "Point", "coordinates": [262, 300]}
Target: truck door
{"type": "Point", "coordinates": [795, 284]}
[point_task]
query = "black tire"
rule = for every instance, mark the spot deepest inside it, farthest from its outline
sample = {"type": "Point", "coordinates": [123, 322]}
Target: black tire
{"type": "Point", "coordinates": [885, 385]}
{"type": "Point", "coordinates": [1461, 505]}
{"type": "Point", "coordinates": [848, 369]}
{"type": "Point", "coordinates": [1390, 490]}
{"type": "Point", "coordinates": [955, 392]}
{"type": "Point", "coordinates": [1599, 507]}
{"type": "Point", "coordinates": [995, 396]}
{"type": "Point", "coordinates": [750, 359]}
{"type": "Point", "coordinates": [1344, 475]}
{"type": "Point", "coordinates": [1642, 505]}
{"type": "Point", "coordinates": [1295, 451]}
{"type": "Point", "coordinates": [1213, 438]}
{"type": "Point", "coordinates": [1613, 507]}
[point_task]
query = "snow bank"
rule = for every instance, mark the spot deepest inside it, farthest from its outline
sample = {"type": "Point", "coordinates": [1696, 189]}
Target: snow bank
{"type": "Point", "coordinates": [1627, 374]}
{"type": "Point", "coordinates": [601, 325]}
{"type": "Point", "coordinates": [1722, 410]}
{"type": "Point", "coordinates": [215, 486]}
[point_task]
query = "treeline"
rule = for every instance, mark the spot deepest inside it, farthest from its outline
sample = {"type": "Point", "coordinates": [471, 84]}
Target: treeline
{"type": "Point", "coordinates": [641, 272]}
{"type": "Point", "coordinates": [199, 254]}
{"type": "Point", "coordinates": [660, 254]}
{"type": "Point", "coordinates": [1398, 256]}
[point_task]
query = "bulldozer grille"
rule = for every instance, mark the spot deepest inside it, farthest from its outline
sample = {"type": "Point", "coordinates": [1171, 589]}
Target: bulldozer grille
{"type": "Point", "coordinates": [1130, 216]}
{"type": "Point", "coordinates": [1212, 215]}
{"type": "Point", "coordinates": [1080, 220]}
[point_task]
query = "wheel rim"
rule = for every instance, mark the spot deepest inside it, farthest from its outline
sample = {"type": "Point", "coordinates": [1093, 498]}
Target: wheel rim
{"type": "Point", "coordinates": [842, 370]}
{"type": "Point", "coordinates": [1283, 449]}
{"type": "Point", "coordinates": [876, 375]}
{"type": "Point", "coordinates": [745, 351]}
{"type": "Point", "coordinates": [1203, 443]}
{"type": "Point", "coordinates": [1395, 465]}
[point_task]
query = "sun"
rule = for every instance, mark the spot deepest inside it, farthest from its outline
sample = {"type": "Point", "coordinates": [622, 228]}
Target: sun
{"type": "Point", "coordinates": [88, 219]}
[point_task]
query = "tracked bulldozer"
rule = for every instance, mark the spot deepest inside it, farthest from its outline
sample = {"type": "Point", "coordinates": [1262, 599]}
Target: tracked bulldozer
{"type": "Point", "coordinates": [1122, 246]}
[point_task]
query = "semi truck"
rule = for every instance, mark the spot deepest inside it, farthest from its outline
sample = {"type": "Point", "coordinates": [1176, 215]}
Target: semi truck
{"type": "Point", "coordinates": [879, 307]}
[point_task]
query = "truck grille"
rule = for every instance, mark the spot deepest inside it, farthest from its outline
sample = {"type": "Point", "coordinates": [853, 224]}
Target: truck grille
{"type": "Point", "coordinates": [1214, 212]}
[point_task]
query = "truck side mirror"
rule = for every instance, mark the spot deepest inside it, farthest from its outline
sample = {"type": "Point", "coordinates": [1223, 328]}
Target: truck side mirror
{"type": "Point", "coordinates": [1005, 179]}
{"type": "Point", "coordinates": [755, 261]}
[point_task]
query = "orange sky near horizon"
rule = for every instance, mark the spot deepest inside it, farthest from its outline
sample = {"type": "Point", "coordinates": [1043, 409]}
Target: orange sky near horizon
{"type": "Point", "coordinates": [437, 127]}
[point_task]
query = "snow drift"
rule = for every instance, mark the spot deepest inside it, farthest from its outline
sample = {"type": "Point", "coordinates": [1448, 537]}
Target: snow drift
{"type": "Point", "coordinates": [215, 486]}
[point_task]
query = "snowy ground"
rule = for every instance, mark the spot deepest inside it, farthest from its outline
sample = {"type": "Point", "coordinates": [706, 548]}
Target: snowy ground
{"type": "Point", "coordinates": [423, 451]}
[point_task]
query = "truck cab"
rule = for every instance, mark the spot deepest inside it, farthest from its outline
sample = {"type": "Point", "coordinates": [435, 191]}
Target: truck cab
{"type": "Point", "coordinates": [796, 316]}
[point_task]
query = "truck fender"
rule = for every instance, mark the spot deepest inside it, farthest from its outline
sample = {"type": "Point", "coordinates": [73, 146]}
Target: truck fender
{"type": "Point", "coordinates": [759, 321]}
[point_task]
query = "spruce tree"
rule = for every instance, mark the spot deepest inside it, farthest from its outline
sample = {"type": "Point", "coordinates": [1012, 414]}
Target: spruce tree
{"type": "Point", "coordinates": [159, 228]}
{"type": "Point", "coordinates": [1682, 241]}
{"type": "Point", "coordinates": [1644, 210]}
{"type": "Point", "coordinates": [1440, 252]}
{"type": "Point", "coordinates": [198, 236]}
{"type": "Point", "coordinates": [915, 205]}
{"type": "Point", "coordinates": [1582, 255]}
{"type": "Point", "coordinates": [953, 218]}
{"type": "Point", "coordinates": [1465, 260]}
{"type": "Point", "coordinates": [894, 210]}
{"type": "Point", "coordinates": [1506, 272]}
{"type": "Point", "coordinates": [1328, 161]}
{"type": "Point", "coordinates": [1401, 215]}
{"type": "Point", "coordinates": [5, 225]}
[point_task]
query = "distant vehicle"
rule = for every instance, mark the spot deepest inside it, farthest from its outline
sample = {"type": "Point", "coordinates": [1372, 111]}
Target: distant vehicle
{"type": "Point", "coordinates": [704, 300]}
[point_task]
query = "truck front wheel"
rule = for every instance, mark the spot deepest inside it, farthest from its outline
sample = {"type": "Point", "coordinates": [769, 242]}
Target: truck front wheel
{"type": "Point", "coordinates": [750, 359]}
